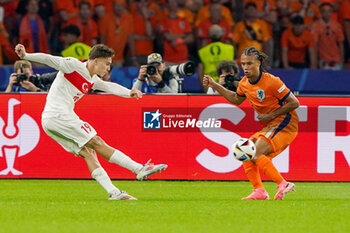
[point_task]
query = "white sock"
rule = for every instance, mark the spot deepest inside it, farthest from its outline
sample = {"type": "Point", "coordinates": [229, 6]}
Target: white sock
{"type": "Point", "coordinates": [123, 160]}
{"type": "Point", "coordinates": [100, 175]}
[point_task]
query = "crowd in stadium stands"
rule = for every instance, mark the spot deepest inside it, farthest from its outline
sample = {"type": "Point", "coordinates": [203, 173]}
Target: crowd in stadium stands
{"type": "Point", "coordinates": [293, 33]}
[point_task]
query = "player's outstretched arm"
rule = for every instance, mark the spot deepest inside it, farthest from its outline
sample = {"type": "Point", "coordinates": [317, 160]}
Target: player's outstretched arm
{"type": "Point", "coordinates": [66, 65]}
{"type": "Point", "coordinates": [116, 89]}
{"type": "Point", "coordinates": [231, 96]}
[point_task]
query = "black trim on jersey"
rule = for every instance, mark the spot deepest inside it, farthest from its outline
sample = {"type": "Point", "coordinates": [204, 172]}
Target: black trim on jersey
{"type": "Point", "coordinates": [253, 83]}
{"type": "Point", "coordinates": [240, 95]}
{"type": "Point", "coordinates": [280, 102]}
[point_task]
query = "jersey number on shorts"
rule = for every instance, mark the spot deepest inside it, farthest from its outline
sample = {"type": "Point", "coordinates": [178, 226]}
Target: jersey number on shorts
{"type": "Point", "coordinates": [86, 128]}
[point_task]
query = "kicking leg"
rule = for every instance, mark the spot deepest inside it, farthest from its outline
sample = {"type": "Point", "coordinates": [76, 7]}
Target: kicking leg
{"type": "Point", "coordinates": [118, 157]}
{"type": "Point", "coordinates": [101, 176]}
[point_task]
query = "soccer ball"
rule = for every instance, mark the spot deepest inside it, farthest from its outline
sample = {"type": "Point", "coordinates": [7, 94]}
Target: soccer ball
{"type": "Point", "coordinates": [243, 149]}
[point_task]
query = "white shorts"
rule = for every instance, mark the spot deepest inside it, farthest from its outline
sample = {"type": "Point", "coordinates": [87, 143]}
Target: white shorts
{"type": "Point", "coordinates": [68, 131]}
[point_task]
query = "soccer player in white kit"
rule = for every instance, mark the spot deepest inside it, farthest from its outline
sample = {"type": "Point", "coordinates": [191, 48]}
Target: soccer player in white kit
{"type": "Point", "coordinates": [59, 121]}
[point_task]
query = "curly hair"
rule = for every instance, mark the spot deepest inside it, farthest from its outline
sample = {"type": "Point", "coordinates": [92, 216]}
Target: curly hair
{"type": "Point", "coordinates": [262, 57]}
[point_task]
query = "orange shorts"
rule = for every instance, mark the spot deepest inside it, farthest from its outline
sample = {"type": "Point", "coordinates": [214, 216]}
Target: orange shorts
{"type": "Point", "coordinates": [279, 133]}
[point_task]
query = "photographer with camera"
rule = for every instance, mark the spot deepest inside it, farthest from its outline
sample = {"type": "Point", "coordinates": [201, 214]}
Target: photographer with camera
{"type": "Point", "coordinates": [23, 79]}
{"type": "Point", "coordinates": [155, 77]}
{"type": "Point", "coordinates": [228, 73]}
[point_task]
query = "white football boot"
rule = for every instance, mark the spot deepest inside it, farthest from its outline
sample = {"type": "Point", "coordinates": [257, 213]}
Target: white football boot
{"type": "Point", "coordinates": [149, 169]}
{"type": "Point", "coordinates": [120, 196]}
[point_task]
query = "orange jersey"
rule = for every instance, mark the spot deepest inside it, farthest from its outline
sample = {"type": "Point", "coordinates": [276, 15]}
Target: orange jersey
{"type": "Point", "coordinates": [297, 45]}
{"type": "Point", "coordinates": [88, 31]}
{"type": "Point", "coordinates": [204, 13]}
{"type": "Point", "coordinates": [203, 29]}
{"type": "Point", "coordinates": [142, 47]}
{"type": "Point", "coordinates": [312, 12]}
{"type": "Point", "coordinates": [154, 11]}
{"type": "Point", "coordinates": [344, 10]}
{"type": "Point", "coordinates": [116, 32]}
{"type": "Point", "coordinates": [240, 37]}
{"type": "Point", "coordinates": [327, 37]}
{"type": "Point", "coordinates": [178, 53]}
{"type": "Point", "coordinates": [266, 95]}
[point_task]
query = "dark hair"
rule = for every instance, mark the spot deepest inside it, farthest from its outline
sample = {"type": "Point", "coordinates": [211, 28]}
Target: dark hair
{"type": "Point", "coordinates": [227, 65]}
{"type": "Point", "coordinates": [72, 30]}
{"type": "Point", "coordinates": [326, 4]}
{"type": "Point", "coordinates": [262, 57]}
{"type": "Point", "coordinates": [297, 20]}
{"type": "Point", "coordinates": [81, 3]}
{"type": "Point", "coordinates": [100, 51]}
{"type": "Point", "coordinates": [250, 4]}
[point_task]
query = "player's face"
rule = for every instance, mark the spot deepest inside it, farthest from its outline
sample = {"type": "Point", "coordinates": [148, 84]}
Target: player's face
{"type": "Point", "coordinates": [250, 66]}
{"type": "Point", "coordinates": [102, 65]}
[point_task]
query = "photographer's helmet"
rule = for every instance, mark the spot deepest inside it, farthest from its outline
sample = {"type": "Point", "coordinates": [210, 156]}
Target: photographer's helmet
{"type": "Point", "coordinates": [154, 58]}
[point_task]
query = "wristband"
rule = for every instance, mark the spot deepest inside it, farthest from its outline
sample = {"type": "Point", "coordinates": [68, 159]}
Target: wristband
{"type": "Point", "coordinates": [180, 40]}
{"type": "Point", "coordinates": [161, 84]}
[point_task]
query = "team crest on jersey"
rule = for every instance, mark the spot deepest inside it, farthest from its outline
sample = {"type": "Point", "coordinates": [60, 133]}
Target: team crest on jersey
{"type": "Point", "coordinates": [260, 94]}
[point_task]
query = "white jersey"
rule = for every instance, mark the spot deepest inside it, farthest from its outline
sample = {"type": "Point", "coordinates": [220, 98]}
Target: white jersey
{"type": "Point", "coordinates": [71, 83]}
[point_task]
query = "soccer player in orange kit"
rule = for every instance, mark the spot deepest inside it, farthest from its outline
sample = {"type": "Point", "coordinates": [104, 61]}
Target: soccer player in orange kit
{"type": "Point", "coordinates": [276, 105]}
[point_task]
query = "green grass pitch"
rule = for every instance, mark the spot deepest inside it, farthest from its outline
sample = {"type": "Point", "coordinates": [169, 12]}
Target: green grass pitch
{"type": "Point", "coordinates": [170, 206]}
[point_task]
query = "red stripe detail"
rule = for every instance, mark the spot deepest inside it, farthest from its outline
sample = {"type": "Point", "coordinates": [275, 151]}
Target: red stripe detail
{"type": "Point", "coordinates": [79, 81]}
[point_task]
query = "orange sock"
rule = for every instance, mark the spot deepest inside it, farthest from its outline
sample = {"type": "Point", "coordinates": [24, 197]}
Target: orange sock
{"type": "Point", "coordinates": [266, 165]}
{"type": "Point", "coordinates": [253, 174]}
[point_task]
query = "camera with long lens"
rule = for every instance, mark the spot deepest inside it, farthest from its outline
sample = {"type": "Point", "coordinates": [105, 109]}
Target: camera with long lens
{"type": "Point", "coordinates": [186, 68]}
{"type": "Point", "coordinates": [229, 81]}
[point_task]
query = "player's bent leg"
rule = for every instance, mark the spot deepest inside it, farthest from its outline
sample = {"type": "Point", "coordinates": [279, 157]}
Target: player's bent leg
{"type": "Point", "coordinates": [101, 176]}
{"type": "Point", "coordinates": [264, 163]}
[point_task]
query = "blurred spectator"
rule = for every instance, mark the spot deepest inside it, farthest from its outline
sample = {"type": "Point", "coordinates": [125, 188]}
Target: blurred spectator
{"type": "Point", "coordinates": [45, 11]}
{"type": "Point", "coordinates": [145, 16]}
{"type": "Point", "coordinates": [266, 10]}
{"type": "Point", "coordinates": [211, 54]}
{"type": "Point", "coordinates": [251, 32]}
{"type": "Point", "coordinates": [344, 16]}
{"type": "Point", "coordinates": [115, 29]}
{"type": "Point", "coordinates": [66, 9]}
{"type": "Point", "coordinates": [329, 39]}
{"type": "Point", "coordinates": [20, 80]}
{"type": "Point", "coordinates": [107, 6]}
{"type": "Point", "coordinates": [306, 9]}
{"type": "Point", "coordinates": [228, 71]}
{"type": "Point", "coordinates": [158, 79]}
{"type": "Point", "coordinates": [297, 42]}
{"type": "Point", "coordinates": [6, 48]}
{"type": "Point", "coordinates": [215, 18]}
{"type": "Point", "coordinates": [184, 13]}
{"type": "Point", "coordinates": [205, 13]}
{"type": "Point", "coordinates": [9, 16]}
{"type": "Point", "coordinates": [72, 46]}
{"type": "Point", "coordinates": [87, 26]}
{"type": "Point", "coordinates": [31, 30]}
{"type": "Point", "coordinates": [177, 35]}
